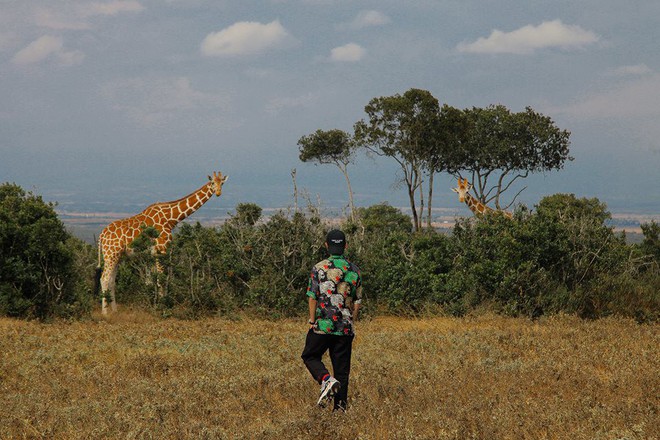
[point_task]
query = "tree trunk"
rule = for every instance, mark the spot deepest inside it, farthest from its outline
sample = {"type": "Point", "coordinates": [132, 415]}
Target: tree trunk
{"type": "Point", "coordinates": [430, 201]}
{"type": "Point", "coordinates": [421, 201]}
{"type": "Point", "coordinates": [350, 193]}
{"type": "Point", "coordinates": [411, 197]}
{"type": "Point", "coordinates": [295, 190]}
{"type": "Point", "coordinates": [411, 182]}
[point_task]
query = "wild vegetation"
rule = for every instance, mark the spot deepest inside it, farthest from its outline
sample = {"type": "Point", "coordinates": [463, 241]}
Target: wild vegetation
{"type": "Point", "coordinates": [561, 257]}
{"type": "Point", "coordinates": [43, 268]}
{"type": "Point", "coordinates": [132, 376]}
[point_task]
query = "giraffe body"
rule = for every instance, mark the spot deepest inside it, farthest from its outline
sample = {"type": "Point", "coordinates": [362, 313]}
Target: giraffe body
{"type": "Point", "coordinates": [115, 238]}
{"type": "Point", "coordinates": [472, 202]}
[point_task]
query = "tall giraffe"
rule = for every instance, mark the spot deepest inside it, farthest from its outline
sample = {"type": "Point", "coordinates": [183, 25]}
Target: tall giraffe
{"type": "Point", "coordinates": [473, 203]}
{"type": "Point", "coordinates": [116, 237]}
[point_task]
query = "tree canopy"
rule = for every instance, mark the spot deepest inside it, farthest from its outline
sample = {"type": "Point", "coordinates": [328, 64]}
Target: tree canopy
{"type": "Point", "coordinates": [330, 147]}
{"type": "Point", "coordinates": [495, 147]}
{"type": "Point", "coordinates": [402, 127]}
{"type": "Point", "coordinates": [492, 147]}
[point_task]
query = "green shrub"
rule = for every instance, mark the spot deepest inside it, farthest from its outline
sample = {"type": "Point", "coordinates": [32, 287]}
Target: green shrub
{"type": "Point", "coordinates": [401, 270]}
{"type": "Point", "coordinates": [42, 266]}
{"type": "Point", "coordinates": [650, 245]}
{"type": "Point", "coordinates": [561, 258]}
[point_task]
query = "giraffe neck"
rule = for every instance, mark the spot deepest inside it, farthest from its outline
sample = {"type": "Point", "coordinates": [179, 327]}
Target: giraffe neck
{"type": "Point", "coordinates": [192, 202]}
{"type": "Point", "coordinates": [475, 205]}
{"type": "Point", "coordinates": [177, 210]}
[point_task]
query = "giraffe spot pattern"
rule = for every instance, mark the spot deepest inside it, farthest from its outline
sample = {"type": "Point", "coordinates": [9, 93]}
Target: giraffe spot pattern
{"type": "Point", "coordinates": [115, 238]}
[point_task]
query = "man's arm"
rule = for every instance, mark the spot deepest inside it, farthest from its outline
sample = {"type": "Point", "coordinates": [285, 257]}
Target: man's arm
{"type": "Point", "coordinates": [357, 298]}
{"type": "Point", "coordinates": [312, 311]}
{"type": "Point", "coordinates": [356, 308]}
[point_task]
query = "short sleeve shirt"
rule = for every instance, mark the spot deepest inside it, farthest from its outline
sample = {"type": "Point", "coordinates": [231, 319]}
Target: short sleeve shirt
{"type": "Point", "coordinates": [336, 284]}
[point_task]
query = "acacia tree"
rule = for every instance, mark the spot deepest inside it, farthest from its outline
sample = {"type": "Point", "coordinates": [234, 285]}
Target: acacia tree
{"type": "Point", "coordinates": [402, 127]}
{"type": "Point", "coordinates": [498, 147]}
{"type": "Point", "coordinates": [330, 147]}
{"type": "Point", "coordinates": [448, 135]}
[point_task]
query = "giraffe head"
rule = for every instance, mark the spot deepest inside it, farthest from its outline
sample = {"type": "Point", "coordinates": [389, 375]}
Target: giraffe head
{"type": "Point", "coordinates": [216, 181]}
{"type": "Point", "coordinates": [462, 189]}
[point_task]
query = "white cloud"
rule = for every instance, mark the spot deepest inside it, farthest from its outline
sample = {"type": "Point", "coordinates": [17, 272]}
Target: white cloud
{"type": "Point", "coordinates": [160, 102]}
{"type": "Point", "coordinates": [39, 50]}
{"type": "Point", "coordinates": [529, 38]}
{"type": "Point", "coordinates": [47, 47]}
{"type": "Point", "coordinates": [350, 52]}
{"type": "Point", "coordinates": [244, 38]}
{"type": "Point", "coordinates": [634, 70]}
{"type": "Point", "coordinates": [370, 18]}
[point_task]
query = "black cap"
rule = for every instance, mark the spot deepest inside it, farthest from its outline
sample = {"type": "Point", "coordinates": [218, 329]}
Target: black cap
{"type": "Point", "coordinates": [336, 241]}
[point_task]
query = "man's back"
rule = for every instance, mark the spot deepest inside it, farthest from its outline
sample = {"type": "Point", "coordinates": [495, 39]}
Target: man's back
{"type": "Point", "coordinates": [336, 284]}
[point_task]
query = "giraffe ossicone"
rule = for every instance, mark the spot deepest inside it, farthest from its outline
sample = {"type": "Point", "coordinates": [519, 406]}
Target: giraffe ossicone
{"type": "Point", "coordinates": [118, 235]}
{"type": "Point", "coordinates": [472, 202]}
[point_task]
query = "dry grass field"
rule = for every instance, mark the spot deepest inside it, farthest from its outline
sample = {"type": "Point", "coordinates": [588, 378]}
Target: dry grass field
{"type": "Point", "coordinates": [134, 377]}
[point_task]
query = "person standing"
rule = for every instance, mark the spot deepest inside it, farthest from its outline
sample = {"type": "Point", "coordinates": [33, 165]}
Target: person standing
{"type": "Point", "coordinates": [334, 295]}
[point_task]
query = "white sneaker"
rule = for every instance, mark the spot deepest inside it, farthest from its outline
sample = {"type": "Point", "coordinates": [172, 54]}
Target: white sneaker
{"type": "Point", "coordinates": [329, 388]}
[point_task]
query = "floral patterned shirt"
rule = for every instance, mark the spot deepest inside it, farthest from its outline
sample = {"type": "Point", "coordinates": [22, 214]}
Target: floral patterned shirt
{"type": "Point", "coordinates": [336, 284]}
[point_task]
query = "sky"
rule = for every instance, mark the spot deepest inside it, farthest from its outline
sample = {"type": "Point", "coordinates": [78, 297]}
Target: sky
{"type": "Point", "coordinates": [111, 105]}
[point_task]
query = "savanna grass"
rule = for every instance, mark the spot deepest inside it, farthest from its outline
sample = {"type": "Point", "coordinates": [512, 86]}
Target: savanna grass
{"type": "Point", "coordinates": [135, 377]}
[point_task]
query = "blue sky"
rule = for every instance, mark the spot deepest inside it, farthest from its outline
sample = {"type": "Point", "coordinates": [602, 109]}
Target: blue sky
{"type": "Point", "coordinates": [116, 104]}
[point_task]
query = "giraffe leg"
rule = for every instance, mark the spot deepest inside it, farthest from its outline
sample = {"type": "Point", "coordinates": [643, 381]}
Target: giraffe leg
{"type": "Point", "coordinates": [112, 286]}
{"type": "Point", "coordinates": [160, 249]}
{"type": "Point", "coordinates": [104, 288]}
{"type": "Point", "coordinates": [159, 272]}
{"type": "Point", "coordinates": [108, 285]}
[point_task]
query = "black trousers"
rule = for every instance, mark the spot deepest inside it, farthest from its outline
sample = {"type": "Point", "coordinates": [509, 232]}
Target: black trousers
{"type": "Point", "coordinates": [340, 355]}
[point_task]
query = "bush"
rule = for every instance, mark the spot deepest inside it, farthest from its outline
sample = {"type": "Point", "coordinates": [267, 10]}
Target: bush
{"type": "Point", "coordinates": [498, 262]}
{"type": "Point", "coordinates": [402, 271]}
{"type": "Point", "coordinates": [137, 278]}
{"type": "Point", "coordinates": [191, 281]}
{"type": "Point", "coordinates": [650, 245]}
{"type": "Point", "coordinates": [41, 264]}
{"type": "Point", "coordinates": [561, 258]}
{"type": "Point", "coordinates": [245, 264]}
{"type": "Point", "coordinates": [286, 249]}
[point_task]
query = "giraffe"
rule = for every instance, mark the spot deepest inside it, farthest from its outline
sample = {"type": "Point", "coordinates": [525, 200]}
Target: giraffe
{"type": "Point", "coordinates": [473, 203]}
{"type": "Point", "coordinates": [116, 237]}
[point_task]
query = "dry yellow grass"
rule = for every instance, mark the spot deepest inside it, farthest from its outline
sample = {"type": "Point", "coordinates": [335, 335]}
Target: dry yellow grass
{"type": "Point", "coordinates": [488, 377]}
